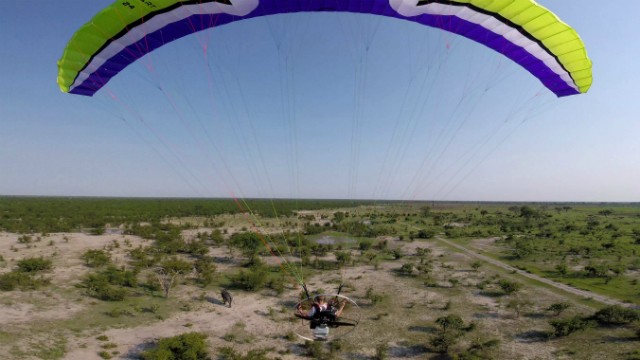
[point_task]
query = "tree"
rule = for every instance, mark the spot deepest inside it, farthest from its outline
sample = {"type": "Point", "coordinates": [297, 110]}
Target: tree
{"type": "Point", "coordinates": [527, 212]}
{"type": "Point", "coordinates": [451, 327]}
{"type": "Point", "coordinates": [250, 244]}
{"type": "Point", "coordinates": [605, 212]}
{"type": "Point", "coordinates": [425, 234]}
{"type": "Point", "coordinates": [166, 276]}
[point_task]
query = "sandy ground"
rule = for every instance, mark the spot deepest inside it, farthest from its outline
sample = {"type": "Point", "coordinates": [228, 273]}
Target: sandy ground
{"type": "Point", "coordinates": [65, 249]}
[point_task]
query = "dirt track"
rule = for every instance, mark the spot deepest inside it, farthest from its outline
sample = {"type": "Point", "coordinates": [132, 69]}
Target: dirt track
{"type": "Point", "coordinates": [579, 292]}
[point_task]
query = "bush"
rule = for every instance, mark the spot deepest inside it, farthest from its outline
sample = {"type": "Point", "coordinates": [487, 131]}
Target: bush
{"type": "Point", "coordinates": [31, 265]}
{"type": "Point", "coordinates": [406, 269]}
{"type": "Point", "coordinates": [616, 315]}
{"type": "Point", "coordinates": [107, 284]}
{"type": "Point", "coordinates": [343, 257]}
{"type": "Point", "coordinates": [365, 244]}
{"type": "Point", "coordinates": [189, 346]}
{"type": "Point", "coordinates": [568, 326]}
{"type": "Point", "coordinates": [110, 293]}
{"type": "Point", "coordinates": [251, 280]}
{"type": "Point", "coordinates": [382, 352]}
{"type": "Point", "coordinates": [120, 276]}
{"type": "Point", "coordinates": [25, 239]}
{"type": "Point", "coordinates": [228, 353]}
{"type": "Point", "coordinates": [20, 280]}
{"type": "Point", "coordinates": [205, 267]}
{"type": "Point", "coordinates": [480, 349]}
{"type": "Point", "coordinates": [425, 234]}
{"type": "Point", "coordinates": [143, 257]}
{"type": "Point", "coordinates": [509, 287]}
{"type": "Point", "coordinates": [100, 230]}
{"type": "Point", "coordinates": [315, 350]}
{"type": "Point", "coordinates": [375, 298]}
{"type": "Point", "coordinates": [96, 258]}
{"type": "Point", "coordinates": [558, 308]}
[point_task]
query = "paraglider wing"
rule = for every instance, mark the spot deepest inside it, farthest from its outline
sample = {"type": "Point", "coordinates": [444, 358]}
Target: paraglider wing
{"type": "Point", "coordinates": [522, 30]}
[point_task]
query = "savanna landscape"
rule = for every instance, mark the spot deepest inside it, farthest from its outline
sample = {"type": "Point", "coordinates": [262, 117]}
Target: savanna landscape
{"type": "Point", "coordinates": [102, 278]}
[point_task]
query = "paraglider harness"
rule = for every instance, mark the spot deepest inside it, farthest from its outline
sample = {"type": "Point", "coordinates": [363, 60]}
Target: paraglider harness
{"type": "Point", "coordinates": [322, 320]}
{"type": "Point", "coordinates": [323, 317]}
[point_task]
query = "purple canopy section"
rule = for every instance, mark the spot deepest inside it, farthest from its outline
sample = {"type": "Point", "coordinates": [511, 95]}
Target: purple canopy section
{"type": "Point", "coordinates": [195, 23]}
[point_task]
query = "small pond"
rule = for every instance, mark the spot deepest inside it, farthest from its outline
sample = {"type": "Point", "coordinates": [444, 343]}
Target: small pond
{"type": "Point", "coordinates": [332, 240]}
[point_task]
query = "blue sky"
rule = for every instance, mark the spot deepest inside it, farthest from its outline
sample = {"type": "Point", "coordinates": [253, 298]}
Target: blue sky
{"type": "Point", "coordinates": [312, 112]}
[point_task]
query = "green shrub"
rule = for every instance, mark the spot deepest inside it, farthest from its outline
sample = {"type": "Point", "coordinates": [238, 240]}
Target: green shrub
{"type": "Point", "coordinates": [205, 267]}
{"type": "Point", "coordinates": [382, 352]}
{"type": "Point", "coordinates": [99, 230]}
{"type": "Point", "coordinates": [105, 355]}
{"type": "Point", "coordinates": [251, 280]}
{"type": "Point", "coordinates": [375, 298]}
{"type": "Point", "coordinates": [365, 244]}
{"type": "Point", "coordinates": [480, 349]}
{"type": "Point", "coordinates": [343, 257]}
{"type": "Point", "coordinates": [99, 287]}
{"type": "Point", "coordinates": [558, 308]}
{"type": "Point", "coordinates": [188, 346]}
{"type": "Point", "coordinates": [20, 280]}
{"type": "Point", "coordinates": [315, 350]}
{"type": "Point", "coordinates": [119, 276]}
{"type": "Point", "coordinates": [564, 327]}
{"type": "Point", "coordinates": [406, 269]}
{"type": "Point", "coordinates": [228, 353]}
{"type": "Point", "coordinates": [634, 355]}
{"type": "Point", "coordinates": [110, 293]}
{"type": "Point", "coordinates": [143, 257]}
{"type": "Point", "coordinates": [25, 239]}
{"type": "Point", "coordinates": [509, 287]}
{"type": "Point", "coordinates": [31, 265]}
{"type": "Point", "coordinates": [96, 258]}
{"type": "Point", "coordinates": [616, 315]}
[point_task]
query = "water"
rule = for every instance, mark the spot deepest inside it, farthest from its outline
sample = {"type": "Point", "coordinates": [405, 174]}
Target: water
{"type": "Point", "coordinates": [331, 240]}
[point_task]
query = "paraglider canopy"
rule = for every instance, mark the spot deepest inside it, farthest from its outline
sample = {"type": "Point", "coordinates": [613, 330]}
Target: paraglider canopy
{"type": "Point", "coordinates": [522, 30]}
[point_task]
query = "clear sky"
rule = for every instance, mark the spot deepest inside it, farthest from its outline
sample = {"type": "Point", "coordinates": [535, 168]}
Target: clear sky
{"type": "Point", "coordinates": [320, 106]}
